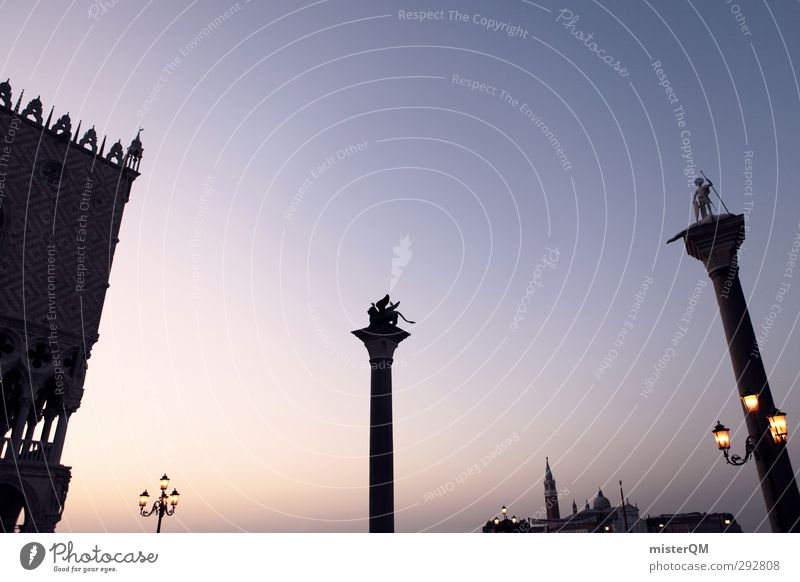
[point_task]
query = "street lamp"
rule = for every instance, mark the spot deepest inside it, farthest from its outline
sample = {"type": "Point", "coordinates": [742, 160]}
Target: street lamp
{"type": "Point", "coordinates": [723, 437]}
{"type": "Point", "coordinates": [164, 505]}
{"type": "Point", "coordinates": [503, 523]}
{"type": "Point", "coordinates": [750, 402]}
{"type": "Point", "coordinates": [777, 426]}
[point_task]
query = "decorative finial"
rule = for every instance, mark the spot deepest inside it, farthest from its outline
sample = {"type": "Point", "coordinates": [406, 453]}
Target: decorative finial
{"type": "Point", "coordinates": [134, 154]}
{"type": "Point", "coordinates": [33, 109]}
{"type": "Point", "coordinates": [5, 93]}
{"type": "Point", "coordinates": [63, 127]}
{"type": "Point", "coordinates": [115, 154]}
{"type": "Point", "coordinates": [16, 108]}
{"type": "Point", "coordinates": [90, 139]}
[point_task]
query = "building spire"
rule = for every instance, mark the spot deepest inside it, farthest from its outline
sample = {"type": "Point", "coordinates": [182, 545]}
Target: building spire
{"type": "Point", "coordinates": [16, 108]}
{"type": "Point", "coordinates": [550, 492]}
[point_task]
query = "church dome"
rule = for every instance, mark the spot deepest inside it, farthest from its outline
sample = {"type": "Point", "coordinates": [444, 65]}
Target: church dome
{"type": "Point", "coordinates": [601, 502]}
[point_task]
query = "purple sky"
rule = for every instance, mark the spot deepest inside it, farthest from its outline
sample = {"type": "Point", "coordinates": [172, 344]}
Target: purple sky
{"type": "Point", "coordinates": [510, 182]}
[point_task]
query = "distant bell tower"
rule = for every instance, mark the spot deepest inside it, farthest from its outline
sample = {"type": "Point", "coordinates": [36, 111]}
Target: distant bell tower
{"type": "Point", "coordinates": [61, 204]}
{"type": "Point", "coordinates": [550, 492]}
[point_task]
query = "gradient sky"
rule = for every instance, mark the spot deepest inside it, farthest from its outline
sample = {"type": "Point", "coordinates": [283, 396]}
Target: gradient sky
{"type": "Point", "coordinates": [246, 258]}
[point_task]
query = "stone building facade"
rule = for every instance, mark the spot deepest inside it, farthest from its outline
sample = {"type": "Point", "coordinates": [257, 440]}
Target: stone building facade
{"type": "Point", "coordinates": [62, 198]}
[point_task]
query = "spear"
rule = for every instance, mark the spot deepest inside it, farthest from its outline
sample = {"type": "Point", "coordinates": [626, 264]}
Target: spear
{"type": "Point", "coordinates": [624, 511]}
{"type": "Point", "coordinates": [715, 192]}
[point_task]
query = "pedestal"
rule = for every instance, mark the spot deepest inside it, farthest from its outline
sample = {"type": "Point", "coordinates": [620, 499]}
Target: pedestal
{"type": "Point", "coordinates": [715, 243]}
{"type": "Point", "coordinates": [381, 343]}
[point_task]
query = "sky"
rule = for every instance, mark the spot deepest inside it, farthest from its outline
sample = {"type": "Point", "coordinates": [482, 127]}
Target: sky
{"type": "Point", "coordinates": [509, 170]}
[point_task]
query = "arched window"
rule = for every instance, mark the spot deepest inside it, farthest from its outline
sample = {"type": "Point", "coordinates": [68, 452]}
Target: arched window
{"type": "Point", "coordinates": [12, 509]}
{"type": "Point", "coordinates": [11, 386]}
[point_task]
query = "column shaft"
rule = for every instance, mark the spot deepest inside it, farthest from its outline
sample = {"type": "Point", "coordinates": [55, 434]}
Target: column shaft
{"type": "Point", "coordinates": [381, 448]}
{"type": "Point", "coordinates": [58, 442]}
{"type": "Point", "coordinates": [381, 342]}
{"type": "Point", "coordinates": [772, 462]}
{"type": "Point", "coordinates": [48, 424]}
{"type": "Point", "coordinates": [18, 429]}
{"type": "Point", "coordinates": [31, 427]}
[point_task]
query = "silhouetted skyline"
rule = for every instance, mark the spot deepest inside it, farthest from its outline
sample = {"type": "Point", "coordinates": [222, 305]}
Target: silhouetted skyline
{"type": "Point", "coordinates": [494, 172]}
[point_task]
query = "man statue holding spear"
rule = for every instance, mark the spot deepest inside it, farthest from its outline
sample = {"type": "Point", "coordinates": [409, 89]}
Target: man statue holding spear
{"type": "Point", "coordinates": [701, 199]}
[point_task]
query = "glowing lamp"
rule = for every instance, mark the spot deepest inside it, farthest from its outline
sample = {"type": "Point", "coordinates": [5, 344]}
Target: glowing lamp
{"type": "Point", "coordinates": [513, 519]}
{"type": "Point", "coordinates": [504, 510]}
{"type": "Point", "coordinates": [723, 436]}
{"type": "Point", "coordinates": [497, 521]}
{"type": "Point", "coordinates": [164, 505]}
{"type": "Point", "coordinates": [777, 426]}
{"type": "Point", "coordinates": [750, 401]}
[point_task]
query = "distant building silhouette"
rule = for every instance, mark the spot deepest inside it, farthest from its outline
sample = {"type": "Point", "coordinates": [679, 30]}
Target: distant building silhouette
{"type": "Point", "coordinates": [61, 203]}
{"type": "Point", "coordinates": [603, 517]}
{"type": "Point", "coordinates": [550, 492]}
{"type": "Point", "coordinates": [693, 523]}
{"type": "Point", "coordinates": [599, 517]}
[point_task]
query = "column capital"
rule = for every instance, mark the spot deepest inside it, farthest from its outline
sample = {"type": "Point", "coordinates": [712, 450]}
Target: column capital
{"type": "Point", "coordinates": [715, 241]}
{"type": "Point", "coordinates": [381, 341]}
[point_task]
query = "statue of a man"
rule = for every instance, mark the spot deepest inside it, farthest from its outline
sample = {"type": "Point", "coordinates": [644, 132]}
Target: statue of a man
{"type": "Point", "coordinates": [701, 200]}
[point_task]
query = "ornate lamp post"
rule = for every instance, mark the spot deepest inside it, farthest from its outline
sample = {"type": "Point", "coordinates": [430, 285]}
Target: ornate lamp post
{"type": "Point", "coordinates": [505, 524]}
{"type": "Point", "coordinates": [723, 438]}
{"type": "Point", "coordinates": [777, 428]}
{"type": "Point", "coordinates": [164, 505]}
